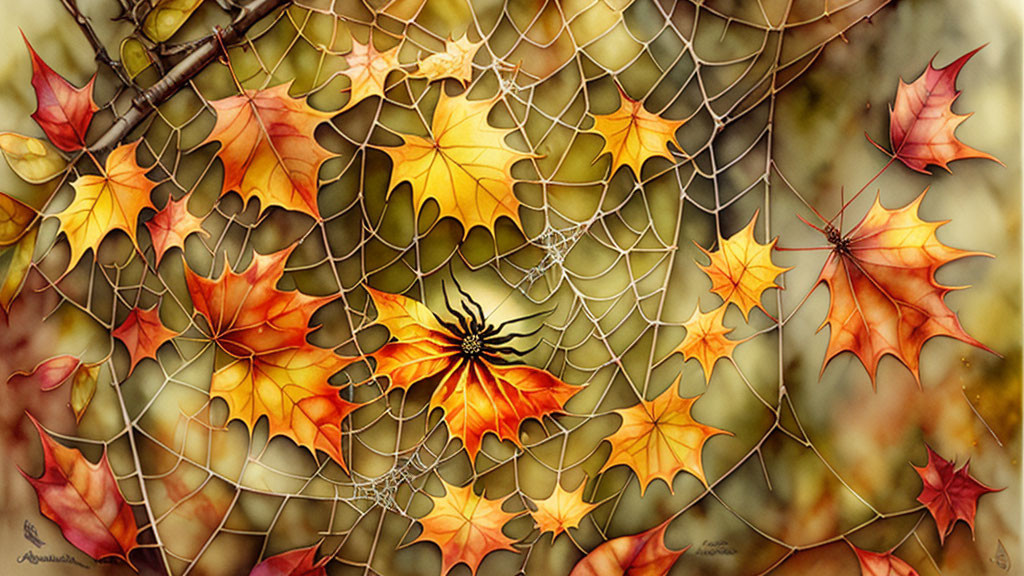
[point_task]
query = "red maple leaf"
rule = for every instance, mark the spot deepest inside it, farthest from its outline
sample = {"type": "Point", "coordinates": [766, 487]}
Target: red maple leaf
{"type": "Point", "coordinates": [922, 122]}
{"type": "Point", "coordinates": [298, 562]}
{"type": "Point", "coordinates": [62, 111]}
{"type": "Point", "coordinates": [143, 333]}
{"type": "Point", "coordinates": [874, 564]}
{"type": "Point", "coordinates": [949, 494]}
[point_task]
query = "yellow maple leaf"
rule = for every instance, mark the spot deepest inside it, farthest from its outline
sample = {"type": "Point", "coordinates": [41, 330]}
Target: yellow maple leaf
{"type": "Point", "coordinates": [465, 526]}
{"type": "Point", "coordinates": [632, 134]}
{"type": "Point", "coordinates": [465, 165]}
{"type": "Point", "coordinates": [368, 71]}
{"type": "Point", "coordinates": [659, 439]}
{"type": "Point", "coordinates": [741, 269]}
{"type": "Point", "coordinates": [705, 339]}
{"type": "Point", "coordinates": [268, 148]}
{"type": "Point", "coordinates": [106, 202]}
{"type": "Point", "coordinates": [561, 511]}
{"type": "Point", "coordinates": [455, 62]}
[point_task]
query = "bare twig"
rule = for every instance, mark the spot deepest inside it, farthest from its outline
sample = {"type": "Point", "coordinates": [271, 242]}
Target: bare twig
{"type": "Point", "coordinates": [204, 53]}
{"type": "Point", "coordinates": [94, 40]}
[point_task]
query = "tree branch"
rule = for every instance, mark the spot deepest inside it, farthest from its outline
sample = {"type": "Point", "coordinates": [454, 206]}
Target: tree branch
{"type": "Point", "coordinates": [205, 52]}
{"type": "Point", "coordinates": [97, 45]}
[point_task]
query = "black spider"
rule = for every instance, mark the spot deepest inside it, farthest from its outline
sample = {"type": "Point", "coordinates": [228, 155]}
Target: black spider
{"type": "Point", "coordinates": [834, 237]}
{"type": "Point", "coordinates": [475, 337]}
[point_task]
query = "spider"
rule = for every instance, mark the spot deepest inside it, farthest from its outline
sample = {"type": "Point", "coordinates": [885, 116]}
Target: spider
{"type": "Point", "coordinates": [834, 237]}
{"type": "Point", "coordinates": [476, 337]}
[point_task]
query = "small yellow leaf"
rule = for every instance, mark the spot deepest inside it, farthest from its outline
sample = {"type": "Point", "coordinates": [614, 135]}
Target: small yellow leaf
{"type": "Point", "coordinates": [34, 161]}
{"type": "Point", "coordinates": [167, 16]}
{"type": "Point", "coordinates": [455, 62]}
{"type": "Point", "coordinates": [632, 134]}
{"type": "Point", "coordinates": [134, 57]}
{"type": "Point", "coordinates": [83, 387]}
{"type": "Point", "coordinates": [562, 510]}
{"type": "Point", "coordinates": [705, 339]}
{"type": "Point", "coordinates": [15, 218]}
{"type": "Point", "coordinates": [106, 203]}
{"type": "Point", "coordinates": [17, 270]}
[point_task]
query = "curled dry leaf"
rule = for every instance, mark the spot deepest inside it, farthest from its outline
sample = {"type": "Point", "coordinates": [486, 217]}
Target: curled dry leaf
{"type": "Point", "coordinates": [455, 62]}
{"type": "Point", "coordinates": [268, 148]}
{"type": "Point", "coordinates": [15, 219]}
{"type": "Point", "coordinates": [466, 527]}
{"type": "Point", "coordinates": [170, 226]}
{"type": "Point", "coordinates": [477, 391]}
{"type": "Point", "coordinates": [632, 135]}
{"type": "Point", "coordinates": [643, 554]}
{"type": "Point", "coordinates": [83, 388]}
{"type": "Point", "coordinates": [922, 124]}
{"type": "Point", "coordinates": [874, 564]}
{"type": "Point", "coordinates": [298, 562]}
{"type": "Point", "coordinates": [274, 371]}
{"type": "Point", "coordinates": [706, 340]}
{"type": "Point", "coordinates": [84, 500]}
{"type": "Point", "coordinates": [48, 374]}
{"type": "Point", "coordinates": [884, 296]}
{"type": "Point", "coordinates": [108, 202]}
{"type": "Point", "coordinates": [368, 71]}
{"type": "Point", "coordinates": [143, 333]}
{"type": "Point", "coordinates": [741, 269]}
{"type": "Point", "coordinates": [34, 161]}
{"type": "Point", "coordinates": [17, 269]}
{"type": "Point", "coordinates": [949, 494]}
{"type": "Point", "coordinates": [659, 439]}
{"type": "Point", "coordinates": [62, 111]}
{"type": "Point", "coordinates": [465, 165]}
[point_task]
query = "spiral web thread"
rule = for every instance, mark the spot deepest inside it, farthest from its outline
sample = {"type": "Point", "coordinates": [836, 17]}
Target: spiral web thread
{"type": "Point", "coordinates": [614, 276]}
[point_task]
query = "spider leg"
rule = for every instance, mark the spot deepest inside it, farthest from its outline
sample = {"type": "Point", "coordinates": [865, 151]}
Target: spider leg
{"type": "Point", "coordinates": [509, 337]}
{"type": "Point", "coordinates": [512, 351]}
{"type": "Point", "coordinates": [499, 327]}
{"type": "Point", "coordinates": [468, 298]}
{"type": "Point", "coordinates": [452, 311]}
{"type": "Point", "coordinates": [455, 330]}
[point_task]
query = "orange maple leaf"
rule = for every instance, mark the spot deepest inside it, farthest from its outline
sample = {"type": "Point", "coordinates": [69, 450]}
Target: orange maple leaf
{"type": "Point", "coordinates": [643, 554]}
{"type": "Point", "coordinates": [62, 111]}
{"type": "Point", "coordinates": [706, 340]}
{"type": "Point", "coordinates": [107, 202]}
{"type": "Point", "coordinates": [368, 71]}
{"type": "Point", "coordinates": [632, 134]}
{"type": "Point", "coordinates": [268, 148]}
{"type": "Point", "coordinates": [659, 439]}
{"type": "Point", "coordinates": [741, 269]}
{"type": "Point", "coordinates": [478, 393]}
{"type": "Point", "coordinates": [298, 562]}
{"type": "Point", "coordinates": [455, 62]}
{"type": "Point", "coordinates": [561, 511]}
{"type": "Point", "coordinates": [143, 334]}
{"type": "Point", "coordinates": [884, 296]}
{"type": "Point", "coordinates": [466, 527]}
{"type": "Point", "coordinates": [922, 122]}
{"type": "Point", "coordinates": [274, 372]}
{"type": "Point", "coordinates": [84, 500]}
{"type": "Point", "coordinates": [949, 494]}
{"type": "Point", "coordinates": [172, 225]}
{"type": "Point", "coordinates": [465, 166]}
{"type": "Point", "coordinates": [874, 564]}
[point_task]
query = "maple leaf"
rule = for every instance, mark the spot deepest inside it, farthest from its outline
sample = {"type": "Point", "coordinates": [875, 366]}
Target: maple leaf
{"type": "Point", "coordinates": [922, 122]}
{"type": "Point", "coordinates": [741, 269]}
{"type": "Point", "coordinates": [15, 219]}
{"type": "Point", "coordinates": [107, 202]}
{"type": "Point", "coordinates": [368, 70]}
{"type": "Point", "coordinates": [874, 564]}
{"type": "Point", "coordinates": [465, 166]}
{"type": "Point", "coordinates": [62, 111]}
{"type": "Point", "coordinates": [298, 562]}
{"type": "Point", "coordinates": [632, 134]}
{"type": "Point", "coordinates": [659, 439]}
{"type": "Point", "coordinates": [466, 527]}
{"type": "Point", "coordinates": [143, 333]}
{"type": "Point", "coordinates": [884, 296]}
{"type": "Point", "coordinates": [706, 340]}
{"type": "Point", "coordinates": [643, 554]}
{"type": "Point", "coordinates": [455, 62]}
{"type": "Point", "coordinates": [949, 494]}
{"type": "Point", "coordinates": [477, 394]}
{"type": "Point", "coordinates": [275, 372]}
{"type": "Point", "coordinates": [170, 226]}
{"type": "Point", "coordinates": [561, 511]}
{"type": "Point", "coordinates": [268, 148]}
{"type": "Point", "coordinates": [84, 500]}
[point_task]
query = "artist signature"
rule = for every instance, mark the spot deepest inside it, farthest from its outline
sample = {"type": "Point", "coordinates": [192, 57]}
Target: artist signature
{"type": "Point", "coordinates": [32, 536]}
{"type": "Point", "coordinates": [715, 548]}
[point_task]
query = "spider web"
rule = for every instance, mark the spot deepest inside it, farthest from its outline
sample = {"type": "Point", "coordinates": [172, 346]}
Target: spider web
{"type": "Point", "coordinates": [611, 255]}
